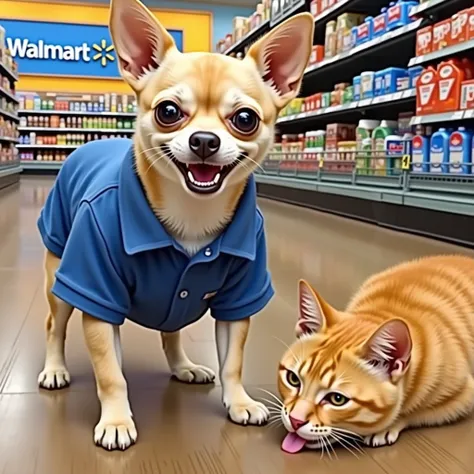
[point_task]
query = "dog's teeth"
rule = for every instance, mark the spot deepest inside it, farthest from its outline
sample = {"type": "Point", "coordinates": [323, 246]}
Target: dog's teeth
{"type": "Point", "coordinates": [217, 178]}
{"type": "Point", "coordinates": [191, 177]}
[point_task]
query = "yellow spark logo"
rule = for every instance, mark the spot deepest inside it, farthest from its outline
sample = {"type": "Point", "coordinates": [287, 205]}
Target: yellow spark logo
{"type": "Point", "coordinates": [103, 52]}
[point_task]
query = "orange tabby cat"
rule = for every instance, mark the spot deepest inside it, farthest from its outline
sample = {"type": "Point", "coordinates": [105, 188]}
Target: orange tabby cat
{"type": "Point", "coordinates": [401, 355]}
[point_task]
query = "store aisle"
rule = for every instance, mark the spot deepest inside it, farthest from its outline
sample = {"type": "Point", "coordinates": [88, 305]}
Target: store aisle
{"type": "Point", "coordinates": [183, 429]}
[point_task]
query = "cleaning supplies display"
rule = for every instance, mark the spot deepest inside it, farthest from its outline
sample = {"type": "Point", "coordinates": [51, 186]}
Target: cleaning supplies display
{"type": "Point", "coordinates": [450, 32]}
{"type": "Point", "coordinates": [446, 88]}
{"type": "Point", "coordinates": [67, 139]}
{"type": "Point", "coordinates": [76, 122]}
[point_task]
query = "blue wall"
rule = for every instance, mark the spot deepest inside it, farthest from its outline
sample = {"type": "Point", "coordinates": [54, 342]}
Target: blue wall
{"type": "Point", "coordinates": [222, 15]}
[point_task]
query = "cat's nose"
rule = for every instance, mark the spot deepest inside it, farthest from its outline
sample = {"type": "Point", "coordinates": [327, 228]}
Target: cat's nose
{"type": "Point", "coordinates": [297, 424]}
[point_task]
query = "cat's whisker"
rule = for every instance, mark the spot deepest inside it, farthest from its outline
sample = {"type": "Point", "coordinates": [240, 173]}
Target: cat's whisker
{"type": "Point", "coordinates": [273, 403]}
{"type": "Point", "coordinates": [298, 360]}
{"type": "Point", "coordinates": [347, 432]}
{"type": "Point", "coordinates": [278, 401]}
{"type": "Point", "coordinates": [331, 447]}
{"type": "Point", "coordinates": [347, 444]}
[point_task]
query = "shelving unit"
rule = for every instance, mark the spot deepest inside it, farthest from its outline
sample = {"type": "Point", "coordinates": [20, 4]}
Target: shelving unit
{"type": "Point", "coordinates": [76, 130]}
{"type": "Point", "coordinates": [10, 168]}
{"type": "Point", "coordinates": [403, 197]}
{"type": "Point", "coordinates": [76, 113]}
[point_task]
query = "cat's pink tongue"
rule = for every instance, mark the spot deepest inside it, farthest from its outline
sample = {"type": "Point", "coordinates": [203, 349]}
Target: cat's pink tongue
{"type": "Point", "coordinates": [293, 443]}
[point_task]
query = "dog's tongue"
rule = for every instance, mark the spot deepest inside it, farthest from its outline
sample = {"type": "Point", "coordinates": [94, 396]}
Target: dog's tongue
{"type": "Point", "coordinates": [204, 173]}
{"type": "Point", "coordinates": [293, 443]}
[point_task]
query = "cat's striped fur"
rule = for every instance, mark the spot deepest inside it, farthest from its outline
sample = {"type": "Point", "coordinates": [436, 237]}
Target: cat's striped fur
{"type": "Point", "coordinates": [401, 355]}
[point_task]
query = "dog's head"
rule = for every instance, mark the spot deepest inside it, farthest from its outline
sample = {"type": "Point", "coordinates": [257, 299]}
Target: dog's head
{"type": "Point", "coordinates": [207, 120]}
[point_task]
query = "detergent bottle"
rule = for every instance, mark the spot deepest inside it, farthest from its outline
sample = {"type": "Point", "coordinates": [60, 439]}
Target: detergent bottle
{"type": "Point", "coordinates": [460, 151]}
{"type": "Point", "coordinates": [380, 23]}
{"type": "Point", "coordinates": [439, 151]}
{"type": "Point", "coordinates": [379, 135]}
{"type": "Point", "coordinates": [420, 154]}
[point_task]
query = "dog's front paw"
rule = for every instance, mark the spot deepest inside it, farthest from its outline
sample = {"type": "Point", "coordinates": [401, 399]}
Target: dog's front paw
{"type": "Point", "coordinates": [243, 410]}
{"type": "Point", "coordinates": [54, 379]}
{"type": "Point", "coordinates": [120, 434]}
{"type": "Point", "coordinates": [193, 373]}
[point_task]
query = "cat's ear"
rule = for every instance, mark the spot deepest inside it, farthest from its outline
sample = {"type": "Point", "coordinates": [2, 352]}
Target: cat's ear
{"type": "Point", "coordinates": [141, 42]}
{"type": "Point", "coordinates": [282, 55]}
{"type": "Point", "coordinates": [315, 315]}
{"type": "Point", "coordinates": [389, 349]}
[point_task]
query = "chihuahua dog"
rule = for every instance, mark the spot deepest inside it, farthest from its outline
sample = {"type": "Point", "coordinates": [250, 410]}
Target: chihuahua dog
{"type": "Point", "coordinates": [162, 229]}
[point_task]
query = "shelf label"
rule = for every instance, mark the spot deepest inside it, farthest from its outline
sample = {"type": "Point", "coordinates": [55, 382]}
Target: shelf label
{"type": "Point", "coordinates": [457, 115]}
{"type": "Point", "coordinates": [406, 162]}
{"type": "Point", "coordinates": [365, 102]}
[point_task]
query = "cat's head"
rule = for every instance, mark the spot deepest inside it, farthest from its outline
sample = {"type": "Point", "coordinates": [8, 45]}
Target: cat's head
{"type": "Point", "coordinates": [343, 376]}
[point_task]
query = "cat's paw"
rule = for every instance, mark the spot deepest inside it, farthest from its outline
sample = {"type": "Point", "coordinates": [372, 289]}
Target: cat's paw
{"type": "Point", "coordinates": [385, 438]}
{"type": "Point", "coordinates": [193, 373]}
{"type": "Point", "coordinates": [243, 410]}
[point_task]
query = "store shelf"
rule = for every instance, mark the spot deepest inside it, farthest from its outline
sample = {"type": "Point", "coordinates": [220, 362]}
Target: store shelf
{"type": "Point", "coordinates": [8, 170]}
{"type": "Point", "coordinates": [441, 54]}
{"type": "Point", "coordinates": [8, 139]}
{"type": "Point", "coordinates": [5, 71]}
{"type": "Point", "coordinates": [41, 165]}
{"type": "Point", "coordinates": [8, 95]}
{"type": "Point", "coordinates": [427, 200]}
{"type": "Point", "coordinates": [355, 106]}
{"type": "Point", "coordinates": [371, 46]}
{"type": "Point", "coordinates": [47, 147]}
{"type": "Point", "coordinates": [249, 37]}
{"type": "Point", "coordinates": [9, 116]}
{"type": "Point", "coordinates": [76, 130]}
{"type": "Point", "coordinates": [435, 6]}
{"type": "Point", "coordinates": [440, 118]}
{"type": "Point", "coordinates": [81, 113]}
{"type": "Point", "coordinates": [286, 14]}
{"type": "Point", "coordinates": [354, 6]}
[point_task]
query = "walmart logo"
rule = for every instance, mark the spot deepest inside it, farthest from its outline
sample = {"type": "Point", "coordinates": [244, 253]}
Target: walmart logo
{"type": "Point", "coordinates": [103, 52]}
{"type": "Point", "coordinates": [26, 49]}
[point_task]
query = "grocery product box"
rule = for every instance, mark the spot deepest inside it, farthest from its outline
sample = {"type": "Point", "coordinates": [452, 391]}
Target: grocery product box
{"type": "Point", "coordinates": [467, 95]}
{"type": "Point", "coordinates": [424, 41]}
{"type": "Point", "coordinates": [450, 79]}
{"type": "Point", "coordinates": [459, 27]}
{"type": "Point", "coordinates": [441, 34]}
{"type": "Point", "coordinates": [315, 8]}
{"type": "Point", "coordinates": [317, 54]}
{"type": "Point", "coordinates": [470, 23]}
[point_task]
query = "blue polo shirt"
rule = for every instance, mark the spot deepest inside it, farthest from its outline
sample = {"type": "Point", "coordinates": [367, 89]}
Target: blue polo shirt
{"type": "Point", "coordinates": [118, 261]}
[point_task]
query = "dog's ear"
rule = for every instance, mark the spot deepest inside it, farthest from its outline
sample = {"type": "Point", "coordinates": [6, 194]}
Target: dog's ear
{"type": "Point", "coordinates": [282, 55]}
{"type": "Point", "coordinates": [140, 40]}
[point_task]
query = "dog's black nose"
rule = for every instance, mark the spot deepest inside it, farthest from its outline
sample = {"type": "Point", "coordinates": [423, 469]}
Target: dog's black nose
{"type": "Point", "coordinates": [204, 144]}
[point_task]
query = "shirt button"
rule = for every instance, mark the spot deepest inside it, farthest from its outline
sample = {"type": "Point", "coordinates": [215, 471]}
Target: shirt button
{"type": "Point", "coordinates": [208, 252]}
{"type": "Point", "coordinates": [184, 294]}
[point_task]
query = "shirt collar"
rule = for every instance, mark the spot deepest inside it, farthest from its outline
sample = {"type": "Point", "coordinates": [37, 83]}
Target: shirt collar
{"type": "Point", "coordinates": [142, 230]}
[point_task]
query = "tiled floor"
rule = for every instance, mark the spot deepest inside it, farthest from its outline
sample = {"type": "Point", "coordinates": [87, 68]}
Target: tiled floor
{"type": "Point", "coordinates": [183, 429]}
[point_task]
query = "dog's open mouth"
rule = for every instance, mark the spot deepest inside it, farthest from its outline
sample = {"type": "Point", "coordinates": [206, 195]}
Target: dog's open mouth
{"type": "Point", "coordinates": [202, 178]}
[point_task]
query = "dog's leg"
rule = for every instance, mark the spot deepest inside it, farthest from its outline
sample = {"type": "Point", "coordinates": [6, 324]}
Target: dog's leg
{"type": "Point", "coordinates": [55, 374]}
{"type": "Point", "coordinates": [116, 429]}
{"type": "Point", "coordinates": [230, 339]}
{"type": "Point", "coordinates": [181, 367]}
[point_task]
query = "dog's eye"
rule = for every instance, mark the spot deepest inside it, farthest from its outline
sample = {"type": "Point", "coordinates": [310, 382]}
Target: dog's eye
{"type": "Point", "coordinates": [245, 121]}
{"type": "Point", "coordinates": [168, 113]}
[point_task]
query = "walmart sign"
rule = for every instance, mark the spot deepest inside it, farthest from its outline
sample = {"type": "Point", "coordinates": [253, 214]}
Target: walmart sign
{"type": "Point", "coordinates": [63, 49]}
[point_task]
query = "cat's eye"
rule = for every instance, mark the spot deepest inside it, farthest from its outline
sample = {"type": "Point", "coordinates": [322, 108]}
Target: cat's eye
{"type": "Point", "coordinates": [245, 121]}
{"type": "Point", "coordinates": [337, 399]}
{"type": "Point", "coordinates": [292, 379]}
{"type": "Point", "coordinates": [167, 113]}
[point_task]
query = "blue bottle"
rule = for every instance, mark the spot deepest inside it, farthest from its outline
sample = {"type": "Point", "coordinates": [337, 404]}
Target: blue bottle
{"type": "Point", "coordinates": [391, 77]}
{"type": "Point", "coordinates": [460, 151]}
{"type": "Point", "coordinates": [420, 154]}
{"type": "Point", "coordinates": [357, 85]}
{"type": "Point", "coordinates": [379, 83]}
{"type": "Point", "coordinates": [398, 14]}
{"type": "Point", "coordinates": [439, 151]}
{"type": "Point", "coordinates": [365, 31]}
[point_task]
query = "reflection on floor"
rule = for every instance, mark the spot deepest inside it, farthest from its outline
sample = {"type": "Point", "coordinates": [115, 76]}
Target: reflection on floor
{"type": "Point", "coordinates": [183, 429]}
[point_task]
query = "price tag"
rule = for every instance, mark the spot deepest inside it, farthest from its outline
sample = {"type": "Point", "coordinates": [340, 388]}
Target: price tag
{"type": "Point", "coordinates": [397, 96]}
{"type": "Point", "coordinates": [302, 115]}
{"type": "Point", "coordinates": [365, 102]}
{"type": "Point", "coordinates": [406, 162]}
{"type": "Point", "coordinates": [457, 115]}
{"type": "Point", "coordinates": [354, 105]}
{"type": "Point", "coordinates": [380, 99]}
{"type": "Point", "coordinates": [416, 120]}
{"type": "Point", "coordinates": [469, 113]}
{"type": "Point", "coordinates": [409, 93]}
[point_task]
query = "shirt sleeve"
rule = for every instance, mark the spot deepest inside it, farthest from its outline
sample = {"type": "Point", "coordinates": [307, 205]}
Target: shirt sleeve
{"type": "Point", "coordinates": [248, 288]}
{"type": "Point", "coordinates": [87, 277]}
